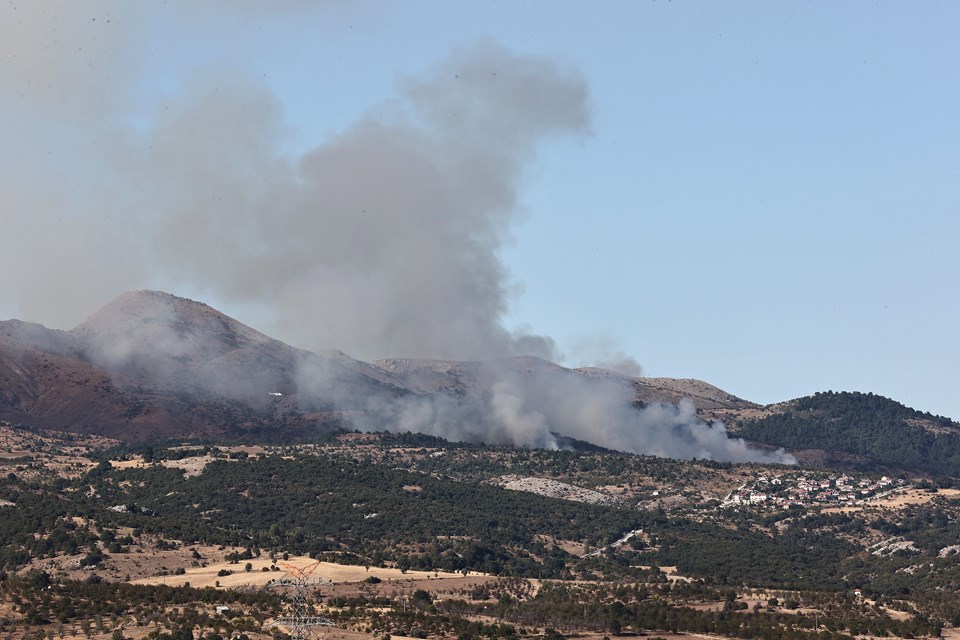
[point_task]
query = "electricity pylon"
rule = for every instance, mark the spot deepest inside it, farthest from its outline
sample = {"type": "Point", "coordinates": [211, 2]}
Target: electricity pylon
{"type": "Point", "coordinates": [298, 580]}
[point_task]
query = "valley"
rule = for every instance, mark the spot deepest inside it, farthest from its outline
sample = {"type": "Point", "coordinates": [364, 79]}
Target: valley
{"type": "Point", "coordinates": [421, 537]}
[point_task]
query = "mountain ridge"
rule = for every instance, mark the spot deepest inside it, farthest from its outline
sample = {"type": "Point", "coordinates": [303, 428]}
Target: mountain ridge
{"type": "Point", "coordinates": [142, 363]}
{"type": "Point", "coordinates": [152, 365]}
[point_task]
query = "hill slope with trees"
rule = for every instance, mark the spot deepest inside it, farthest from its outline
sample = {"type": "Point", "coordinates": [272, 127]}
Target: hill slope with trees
{"type": "Point", "coordinates": [886, 432]}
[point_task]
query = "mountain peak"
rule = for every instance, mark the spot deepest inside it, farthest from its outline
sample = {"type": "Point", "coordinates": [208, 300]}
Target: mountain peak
{"type": "Point", "coordinates": [144, 304]}
{"type": "Point", "coordinates": [144, 328]}
{"type": "Point", "coordinates": [136, 310]}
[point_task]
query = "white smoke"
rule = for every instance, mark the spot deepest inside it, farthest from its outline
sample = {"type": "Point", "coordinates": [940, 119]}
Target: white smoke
{"type": "Point", "coordinates": [529, 402]}
{"type": "Point", "coordinates": [384, 240]}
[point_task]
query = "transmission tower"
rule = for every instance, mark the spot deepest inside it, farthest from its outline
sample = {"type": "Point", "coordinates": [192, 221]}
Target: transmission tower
{"type": "Point", "coordinates": [299, 581]}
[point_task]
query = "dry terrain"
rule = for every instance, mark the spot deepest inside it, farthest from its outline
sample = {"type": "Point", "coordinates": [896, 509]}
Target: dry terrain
{"type": "Point", "coordinates": [555, 489]}
{"type": "Point", "coordinates": [899, 500]}
{"type": "Point", "coordinates": [192, 465]}
{"type": "Point", "coordinates": [263, 571]}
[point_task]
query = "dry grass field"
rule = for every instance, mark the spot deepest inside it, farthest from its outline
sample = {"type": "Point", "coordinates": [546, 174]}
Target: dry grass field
{"type": "Point", "coordinates": [261, 574]}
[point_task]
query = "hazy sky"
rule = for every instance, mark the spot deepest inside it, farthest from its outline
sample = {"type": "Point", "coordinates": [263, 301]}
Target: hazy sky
{"type": "Point", "coordinates": [763, 195]}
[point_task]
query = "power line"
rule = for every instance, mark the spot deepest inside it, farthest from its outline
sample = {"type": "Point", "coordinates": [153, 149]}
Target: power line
{"type": "Point", "coordinates": [299, 581]}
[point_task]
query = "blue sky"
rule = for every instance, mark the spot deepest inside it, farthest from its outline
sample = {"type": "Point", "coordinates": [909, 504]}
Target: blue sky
{"type": "Point", "coordinates": [767, 195]}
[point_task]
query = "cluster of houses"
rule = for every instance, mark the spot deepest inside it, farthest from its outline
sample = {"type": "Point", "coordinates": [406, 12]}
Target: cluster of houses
{"type": "Point", "coordinates": [802, 490]}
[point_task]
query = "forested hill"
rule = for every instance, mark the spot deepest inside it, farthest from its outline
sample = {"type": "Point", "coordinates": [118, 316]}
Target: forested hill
{"type": "Point", "coordinates": [885, 431]}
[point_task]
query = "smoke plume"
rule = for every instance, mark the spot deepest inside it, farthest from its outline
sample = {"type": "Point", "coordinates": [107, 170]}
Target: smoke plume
{"type": "Point", "coordinates": [527, 402]}
{"type": "Point", "coordinates": [383, 241]}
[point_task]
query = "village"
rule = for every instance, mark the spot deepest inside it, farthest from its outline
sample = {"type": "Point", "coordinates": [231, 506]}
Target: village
{"type": "Point", "coordinates": [804, 490]}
